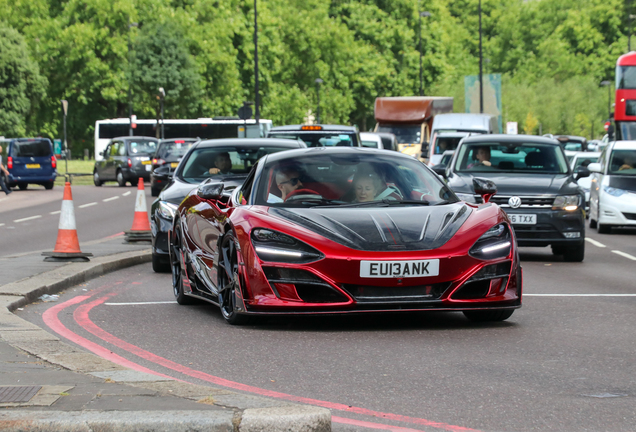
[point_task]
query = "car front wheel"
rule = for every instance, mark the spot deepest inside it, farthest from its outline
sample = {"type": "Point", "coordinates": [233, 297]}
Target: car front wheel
{"type": "Point", "coordinates": [96, 180]}
{"type": "Point", "coordinates": [121, 181]}
{"type": "Point", "coordinates": [229, 282]}
{"type": "Point", "coordinates": [177, 272]}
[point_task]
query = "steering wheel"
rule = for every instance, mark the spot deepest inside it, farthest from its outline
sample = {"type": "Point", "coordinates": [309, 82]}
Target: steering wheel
{"type": "Point", "coordinates": [301, 192]}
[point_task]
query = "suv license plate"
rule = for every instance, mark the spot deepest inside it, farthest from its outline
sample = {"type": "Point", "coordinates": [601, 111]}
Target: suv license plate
{"type": "Point", "coordinates": [523, 219]}
{"type": "Point", "coordinates": [399, 269]}
{"type": "Point", "coordinates": [33, 165]}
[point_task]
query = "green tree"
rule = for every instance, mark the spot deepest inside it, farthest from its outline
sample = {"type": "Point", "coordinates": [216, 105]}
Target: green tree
{"type": "Point", "coordinates": [21, 85]}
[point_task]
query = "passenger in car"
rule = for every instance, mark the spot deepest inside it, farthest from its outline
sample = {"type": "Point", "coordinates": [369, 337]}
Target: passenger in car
{"type": "Point", "coordinates": [368, 186]}
{"type": "Point", "coordinates": [222, 164]}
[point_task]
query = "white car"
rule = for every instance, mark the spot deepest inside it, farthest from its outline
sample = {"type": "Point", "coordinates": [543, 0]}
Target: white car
{"type": "Point", "coordinates": [584, 159]}
{"type": "Point", "coordinates": [613, 190]}
{"type": "Point", "coordinates": [371, 140]}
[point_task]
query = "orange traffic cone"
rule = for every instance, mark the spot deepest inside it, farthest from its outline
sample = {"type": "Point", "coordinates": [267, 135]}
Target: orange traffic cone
{"type": "Point", "coordinates": [67, 245]}
{"type": "Point", "coordinates": [140, 230]}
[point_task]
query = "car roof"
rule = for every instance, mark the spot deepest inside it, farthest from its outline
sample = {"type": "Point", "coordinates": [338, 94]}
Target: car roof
{"type": "Point", "coordinates": [572, 137]}
{"type": "Point", "coordinates": [624, 145]}
{"type": "Point", "coordinates": [341, 151]}
{"type": "Point", "coordinates": [172, 140]}
{"type": "Point", "coordinates": [25, 139]}
{"type": "Point", "coordinates": [250, 142]}
{"type": "Point", "coordinates": [581, 155]}
{"type": "Point", "coordinates": [130, 138]}
{"type": "Point", "coordinates": [370, 135]}
{"type": "Point", "coordinates": [509, 138]}
{"type": "Point", "coordinates": [325, 127]}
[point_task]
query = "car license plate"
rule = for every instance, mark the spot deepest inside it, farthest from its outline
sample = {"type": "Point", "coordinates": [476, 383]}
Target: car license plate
{"type": "Point", "coordinates": [523, 219]}
{"type": "Point", "coordinates": [33, 165]}
{"type": "Point", "coordinates": [145, 162]}
{"type": "Point", "coordinates": [148, 167]}
{"type": "Point", "coordinates": [174, 164]}
{"type": "Point", "coordinates": [399, 269]}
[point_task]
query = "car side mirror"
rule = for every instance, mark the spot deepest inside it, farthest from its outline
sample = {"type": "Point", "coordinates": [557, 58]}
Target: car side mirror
{"type": "Point", "coordinates": [440, 170]}
{"type": "Point", "coordinates": [210, 191]}
{"type": "Point", "coordinates": [581, 172]}
{"type": "Point", "coordinates": [484, 187]}
{"type": "Point", "coordinates": [595, 167]}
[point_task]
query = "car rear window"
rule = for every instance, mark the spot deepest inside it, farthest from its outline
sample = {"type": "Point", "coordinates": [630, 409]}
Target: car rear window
{"type": "Point", "coordinates": [145, 147]}
{"type": "Point", "coordinates": [174, 149]}
{"type": "Point", "coordinates": [320, 139]}
{"type": "Point", "coordinates": [35, 148]}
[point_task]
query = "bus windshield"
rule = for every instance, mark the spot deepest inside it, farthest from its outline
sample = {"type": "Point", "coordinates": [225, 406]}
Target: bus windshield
{"type": "Point", "coordinates": [405, 134]}
{"type": "Point", "coordinates": [626, 77]}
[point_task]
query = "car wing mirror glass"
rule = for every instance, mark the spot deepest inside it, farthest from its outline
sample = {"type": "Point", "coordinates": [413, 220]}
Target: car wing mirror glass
{"type": "Point", "coordinates": [581, 172]}
{"type": "Point", "coordinates": [210, 191]}
{"type": "Point", "coordinates": [595, 168]}
{"type": "Point", "coordinates": [484, 187]}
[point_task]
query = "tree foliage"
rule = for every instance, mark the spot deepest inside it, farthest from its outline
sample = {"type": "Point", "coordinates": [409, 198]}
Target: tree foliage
{"type": "Point", "coordinates": [552, 55]}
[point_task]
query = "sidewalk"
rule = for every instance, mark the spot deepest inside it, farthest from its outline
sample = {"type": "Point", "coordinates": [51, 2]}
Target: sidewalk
{"type": "Point", "coordinates": [47, 384]}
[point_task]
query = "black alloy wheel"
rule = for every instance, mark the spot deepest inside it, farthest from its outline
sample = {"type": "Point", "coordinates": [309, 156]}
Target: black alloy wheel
{"type": "Point", "coordinates": [489, 315]}
{"type": "Point", "coordinates": [176, 246]}
{"type": "Point", "coordinates": [229, 281]}
{"type": "Point", "coordinates": [121, 181]}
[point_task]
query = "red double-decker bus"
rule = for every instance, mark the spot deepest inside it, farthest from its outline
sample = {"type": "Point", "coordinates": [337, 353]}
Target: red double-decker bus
{"type": "Point", "coordinates": [625, 104]}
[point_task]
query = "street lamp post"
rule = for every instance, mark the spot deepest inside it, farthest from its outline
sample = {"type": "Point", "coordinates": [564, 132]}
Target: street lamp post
{"type": "Point", "coordinates": [65, 113]}
{"type": "Point", "coordinates": [130, 103]}
{"type": "Point", "coordinates": [318, 82]}
{"type": "Point", "coordinates": [481, 72]}
{"type": "Point", "coordinates": [257, 99]}
{"type": "Point", "coordinates": [162, 95]}
{"type": "Point", "coordinates": [609, 97]}
{"type": "Point", "coordinates": [421, 14]}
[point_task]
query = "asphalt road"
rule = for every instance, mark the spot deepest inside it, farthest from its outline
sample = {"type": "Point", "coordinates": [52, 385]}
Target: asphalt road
{"type": "Point", "coordinates": [564, 362]}
{"type": "Point", "coordinates": [29, 219]}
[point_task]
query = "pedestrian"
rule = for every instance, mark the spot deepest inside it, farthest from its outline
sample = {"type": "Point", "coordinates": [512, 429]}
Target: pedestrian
{"type": "Point", "coordinates": [4, 187]}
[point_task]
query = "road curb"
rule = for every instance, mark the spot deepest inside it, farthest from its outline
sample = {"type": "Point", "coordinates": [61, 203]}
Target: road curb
{"type": "Point", "coordinates": [242, 413]}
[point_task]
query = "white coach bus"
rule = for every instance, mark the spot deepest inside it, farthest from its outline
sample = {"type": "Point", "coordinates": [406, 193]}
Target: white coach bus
{"type": "Point", "coordinates": [204, 128]}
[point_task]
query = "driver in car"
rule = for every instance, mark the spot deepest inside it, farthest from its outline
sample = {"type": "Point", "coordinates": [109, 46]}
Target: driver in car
{"type": "Point", "coordinates": [288, 180]}
{"type": "Point", "coordinates": [222, 164]}
{"type": "Point", "coordinates": [482, 156]}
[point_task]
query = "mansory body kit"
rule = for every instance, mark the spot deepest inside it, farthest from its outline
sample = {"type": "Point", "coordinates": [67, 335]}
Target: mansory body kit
{"type": "Point", "coordinates": [339, 230]}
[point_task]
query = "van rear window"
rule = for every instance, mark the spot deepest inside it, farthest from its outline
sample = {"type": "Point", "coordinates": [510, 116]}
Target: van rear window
{"type": "Point", "coordinates": [39, 148]}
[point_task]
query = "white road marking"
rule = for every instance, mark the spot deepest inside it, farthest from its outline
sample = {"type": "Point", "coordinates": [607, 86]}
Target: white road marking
{"type": "Point", "coordinates": [140, 303]}
{"type": "Point", "coordinates": [110, 199]}
{"type": "Point", "coordinates": [579, 295]}
{"type": "Point", "coordinates": [1, 224]}
{"type": "Point", "coordinates": [126, 194]}
{"type": "Point", "coordinates": [88, 205]}
{"type": "Point", "coordinates": [27, 218]}
{"type": "Point", "coordinates": [56, 212]}
{"type": "Point", "coordinates": [626, 255]}
{"type": "Point", "coordinates": [594, 242]}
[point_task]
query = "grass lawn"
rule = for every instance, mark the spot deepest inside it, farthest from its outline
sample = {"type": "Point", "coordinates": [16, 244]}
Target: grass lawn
{"type": "Point", "coordinates": [75, 167]}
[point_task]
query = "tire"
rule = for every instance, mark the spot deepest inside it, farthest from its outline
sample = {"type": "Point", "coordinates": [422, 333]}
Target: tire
{"type": "Point", "coordinates": [574, 254]}
{"type": "Point", "coordinates": [154, 192]}
{"type": "Point", "coordinates": [134, 183]}
{"type": "Point", "coordinates": [603, 228]}
{"type": "Point", "coordinates": [558, 250]}
{"type": "Point", "coordinates": [489, 315]}
{"type": "Point", "coordinates": [592, 223]}
{"type": "Point", "coordinates": [121, 181]}
{"type": "Point", "coordinates": [177, 272]}
{"type": "Point", "coordinates": [229, 281]}
{"type": "Point", "coordinates": [23, 186]}
{"type": "Point", "coordinates": [96, 179]}
{"type": "Point", "coordinates": [158, 266]}
{"type": "Point", "coordinates": [49, 185]}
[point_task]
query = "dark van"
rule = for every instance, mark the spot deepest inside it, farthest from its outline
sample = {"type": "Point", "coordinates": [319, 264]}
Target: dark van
{"type": "Point", "coordinates": [30, 161]}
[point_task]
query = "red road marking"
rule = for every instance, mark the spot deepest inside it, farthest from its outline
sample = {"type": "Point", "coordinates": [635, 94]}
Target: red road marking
{"type": "Point", "coordinates": [81, 316]}
{"type": "Point", "coordinates": [115, 235]}
{"type": "Point", "coordinates": [370, 425]}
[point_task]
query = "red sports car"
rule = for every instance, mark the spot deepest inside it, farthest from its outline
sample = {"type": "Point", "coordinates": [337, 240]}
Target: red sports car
{"type": "Point", "coordinates": [343, 230]}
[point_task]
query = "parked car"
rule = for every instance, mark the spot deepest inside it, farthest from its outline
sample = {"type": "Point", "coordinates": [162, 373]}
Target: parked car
{"type": "Point", "coordinates": [536, 188]}
{"type": "Point", "coordinates": [298, 237]}
{"type": "Point", "coordinates": [319, 135]}
{"type": "Point", "coordinates": [125, 159]}
{"type": "Point", "coordinates": [584, 159]}
{"type": "Point", "coordinates": [169, 152]}
{"type": "Point", "coordinates": [199, 164]}
{"type": "Point", "coordinates": [29, 161]}
{"type": "Point", "coordinates": [613, 191]}
{"type": "Point", "coordinates": [389, 140]}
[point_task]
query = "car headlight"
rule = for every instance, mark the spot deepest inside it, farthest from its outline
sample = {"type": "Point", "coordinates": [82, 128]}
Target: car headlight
{"type": "Point", "coordinates": [275, 246]}
{"type": "Point", "coordinates": [469, 198]}
{"type": "Point", "coordinates": [494, 243]}
{"type": "Point", "coordinates": [566, 202]}
{"type": "Point", "coordinates": [167, 210]}
{"type": "Point", "coordinates": [613, 191]}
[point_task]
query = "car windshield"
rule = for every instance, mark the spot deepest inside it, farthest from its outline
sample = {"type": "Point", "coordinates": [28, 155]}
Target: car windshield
{"type": "Point", "coordinates": [346, 179]}
{"type": "Point", "coordinates": [320, 139]}
{"type": "Point", "coordinates": [404, 134]}
{"type": "Point", "coordinates": [173, 149]}
{"type": "Point", "coordinates": [584, 161]}
{"type": "Point", "coordinates": [205, 162]}
{"type": "Point", "coordinates": [570, 144]}
{"type": "Point", "coordinates": [511, 157]}
{"type": "Point", "coordinates": [623, 162]}
{"type": "Point", "coordinates": [142, 147]}
{"type": "Point", "coordinates": [442, 143]}
{"type": "Point", "coordinates": [36, 148]}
